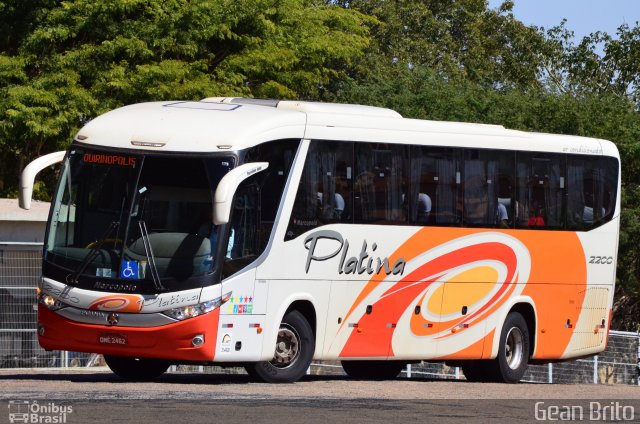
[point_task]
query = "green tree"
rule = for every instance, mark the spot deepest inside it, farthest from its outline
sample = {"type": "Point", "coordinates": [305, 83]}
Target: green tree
{"type": "Point", "coordinates": [459, 39]}
{"type": "Point", "coordinates": [62, 63]}
{"type": "Point", "coordinates": [598, 64]}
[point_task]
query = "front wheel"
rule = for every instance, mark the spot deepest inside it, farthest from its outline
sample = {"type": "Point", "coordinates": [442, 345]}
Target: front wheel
{"type": "Point", "coordinates": [136, 369]}
{"type": "Point", "coordinates": [293, 352]}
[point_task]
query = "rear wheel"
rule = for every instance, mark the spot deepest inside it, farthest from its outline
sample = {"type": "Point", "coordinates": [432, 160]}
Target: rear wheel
{"type": "Point", "coordinates": [373, 370]}
{"type": "Point", "coordinates": [137, 369]}
{"type": "Point", "coordinates": [294, 350]}
{"type": "Point", "coordinates": [513, 355]}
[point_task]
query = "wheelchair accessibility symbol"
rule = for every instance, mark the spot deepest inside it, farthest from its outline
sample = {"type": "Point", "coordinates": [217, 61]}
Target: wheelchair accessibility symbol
{"type": "Point", "coordinates": [129, 270]}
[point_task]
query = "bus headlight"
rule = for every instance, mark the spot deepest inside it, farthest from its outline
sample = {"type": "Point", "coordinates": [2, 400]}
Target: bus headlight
{"type": "Point", "coordinates": [50, 302]}
{"type": "Point", "coordinates": [192, 311]}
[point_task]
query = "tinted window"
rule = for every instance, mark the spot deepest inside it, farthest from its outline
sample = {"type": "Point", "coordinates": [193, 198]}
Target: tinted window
{"type": "Point", "coordinates": [271, 182]}
{"type": "Point", "coordinates": [488, 188]}
{"type": "Point", "coordinates": [380, 186]}
{"type": "Point", "coordinates": [433, 198]}
{"type": "Point", "coordinates": [540, 192]}
{"type": "Point", "coordinates": [256, 204]}
{"type": "Point", "coordinates": [382, 183]}
{"type": "Point", "coordinates": [592, 186]}
{"type": "Point", "coordinates": [325, 193]}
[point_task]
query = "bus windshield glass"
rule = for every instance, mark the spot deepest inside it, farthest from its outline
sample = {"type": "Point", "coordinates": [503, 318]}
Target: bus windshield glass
{"type": "Point", "coordinates": [135, 218]}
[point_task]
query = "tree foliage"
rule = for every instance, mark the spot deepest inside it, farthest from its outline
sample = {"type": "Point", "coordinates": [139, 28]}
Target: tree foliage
{"type": "Point", "coordinates": [62, 63]}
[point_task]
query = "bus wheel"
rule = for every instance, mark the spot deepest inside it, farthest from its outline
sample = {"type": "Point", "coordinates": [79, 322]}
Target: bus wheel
{"type": "Point", "coordinates": [373, 370]}
{"type": "Point", "coordinates": [513, 354]}
{"type": "Point", "coordinates": [137, 369]}
{"type": "Point", "coordinates": [293, 353]}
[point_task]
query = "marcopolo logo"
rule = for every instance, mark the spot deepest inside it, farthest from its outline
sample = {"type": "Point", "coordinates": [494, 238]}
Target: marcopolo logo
{"type": "Point", "coordinates": [23, 411]}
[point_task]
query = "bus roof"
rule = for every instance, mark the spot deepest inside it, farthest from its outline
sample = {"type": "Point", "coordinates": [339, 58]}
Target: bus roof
{"type": "Point", "coordinates": [222, 124]}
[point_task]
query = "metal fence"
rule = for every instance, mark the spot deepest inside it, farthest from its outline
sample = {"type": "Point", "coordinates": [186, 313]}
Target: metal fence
{"type": "Point", "coordinates": [20, 269]}
{"type": "Point", "coordinates": [618, 364]}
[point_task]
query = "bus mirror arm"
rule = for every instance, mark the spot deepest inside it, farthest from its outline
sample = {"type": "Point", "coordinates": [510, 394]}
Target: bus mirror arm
{"type": "Point", "coordinates": [29, 175]}
{"type": "Point", "coordinates": [227, 188]}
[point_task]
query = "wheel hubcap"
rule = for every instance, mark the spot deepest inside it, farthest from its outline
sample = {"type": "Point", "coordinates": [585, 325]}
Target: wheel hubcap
{"type": "Point", "coordinates": [287, 347]}
{"type": "Point", "coordinates": [514, 348]}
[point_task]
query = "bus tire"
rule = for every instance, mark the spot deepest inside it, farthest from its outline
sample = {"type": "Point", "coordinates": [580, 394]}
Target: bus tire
{"type": "Point", "coordinates": [373, 370]}
{"type": "Point", "coordinates": [136, 369]}
{"type": "Point", "coordinates": [294, 350]}
{"type": "Point", "coordinates": [513, 353]}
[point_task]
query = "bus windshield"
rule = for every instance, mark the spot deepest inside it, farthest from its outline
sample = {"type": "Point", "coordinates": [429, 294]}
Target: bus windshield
{"type": "Point", "coordinates": [135, 218]}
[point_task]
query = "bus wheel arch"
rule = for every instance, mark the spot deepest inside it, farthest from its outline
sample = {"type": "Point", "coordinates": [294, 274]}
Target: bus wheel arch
{"type": "Point", "coordinates": [525, 307]}
{"type": "Point", "coordinates": [515, 344]}
{"type": "Point", "coordinates": [512, 359]}
{"type": "Point", "coordinates": [513, 347]}
{"type": "Point", "coordinates": [294, 348]}
{"type": "Point", "coordinates": [308, 311]}
{"type": "Point", "coordinates": [529, 314]}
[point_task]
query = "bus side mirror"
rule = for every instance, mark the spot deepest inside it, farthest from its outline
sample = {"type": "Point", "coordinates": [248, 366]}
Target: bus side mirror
{"type": "Point", "coordinates": [29, 175]}
{"type": "Point", "coordinates": [227, 188]}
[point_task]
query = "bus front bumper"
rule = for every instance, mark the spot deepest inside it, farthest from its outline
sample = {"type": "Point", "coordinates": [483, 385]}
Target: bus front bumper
{"type": "Point", "coordinates": [172, 341]}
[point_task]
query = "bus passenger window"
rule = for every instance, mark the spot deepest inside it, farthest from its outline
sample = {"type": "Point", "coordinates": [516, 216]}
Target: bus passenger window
{"type": "Point", "coordinates": [488, 188]}
{"type": "Point", "coordinates": [540, 190]}
{"type": "Point", "coordinates": [380, 184]}
{"type": "Point", "coordinates": [325, 191]}
{"type": "Point", "coordinates": [433, 190]}
{"type": "Point", "coordinates": [591, 190]}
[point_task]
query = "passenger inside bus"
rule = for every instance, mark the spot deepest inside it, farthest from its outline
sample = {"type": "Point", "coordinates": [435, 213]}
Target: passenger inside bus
{"type": "Point", "coordinates": [502, 217]}
{"type": "Point", "coordinates": [424, 207]}
{"type": "Point", "coordinates": [536, 218]}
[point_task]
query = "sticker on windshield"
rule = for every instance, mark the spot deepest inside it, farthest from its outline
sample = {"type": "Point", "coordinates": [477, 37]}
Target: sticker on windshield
{"type": "Point", "coordinates": [104, 272]}
{"type": "Point", "coordinates": [130, 270]}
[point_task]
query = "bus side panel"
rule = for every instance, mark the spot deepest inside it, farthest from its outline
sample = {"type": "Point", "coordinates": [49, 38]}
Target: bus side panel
{"type": "Point", "coordinates": [573, 312]}
{"type": "Point", "coordinates": [341, 322]}
{"type": "Point", "coordinates": [455, 289]}
{"type": "Point", "coordinates": [241, 317]}
{"type": "Point", "coordinates": [558, 309]}
{"type": "Point", "coordinates": [592, 327]}
{"type": "Point", "coordinates": [466, 278]}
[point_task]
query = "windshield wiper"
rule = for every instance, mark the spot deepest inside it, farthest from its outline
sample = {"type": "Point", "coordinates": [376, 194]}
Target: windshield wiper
{"type": "Point", "coordinates": [93, 254]}
{"type": "Point", "coordinates": [157, 284]}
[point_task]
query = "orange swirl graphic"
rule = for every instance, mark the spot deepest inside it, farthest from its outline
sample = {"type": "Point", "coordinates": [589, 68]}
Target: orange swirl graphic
{"type": "Point", "coordinates": [119, 303]}
{"type": "Point", "coordinates": [403, 294]}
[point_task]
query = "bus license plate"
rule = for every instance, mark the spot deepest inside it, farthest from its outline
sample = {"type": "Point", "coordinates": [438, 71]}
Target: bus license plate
{"type": "Point", "coordinates": [112, 339]}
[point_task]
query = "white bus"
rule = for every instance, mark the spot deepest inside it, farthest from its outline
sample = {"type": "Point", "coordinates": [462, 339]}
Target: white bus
{"type": "Point", "coordinates": [268, 234]}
